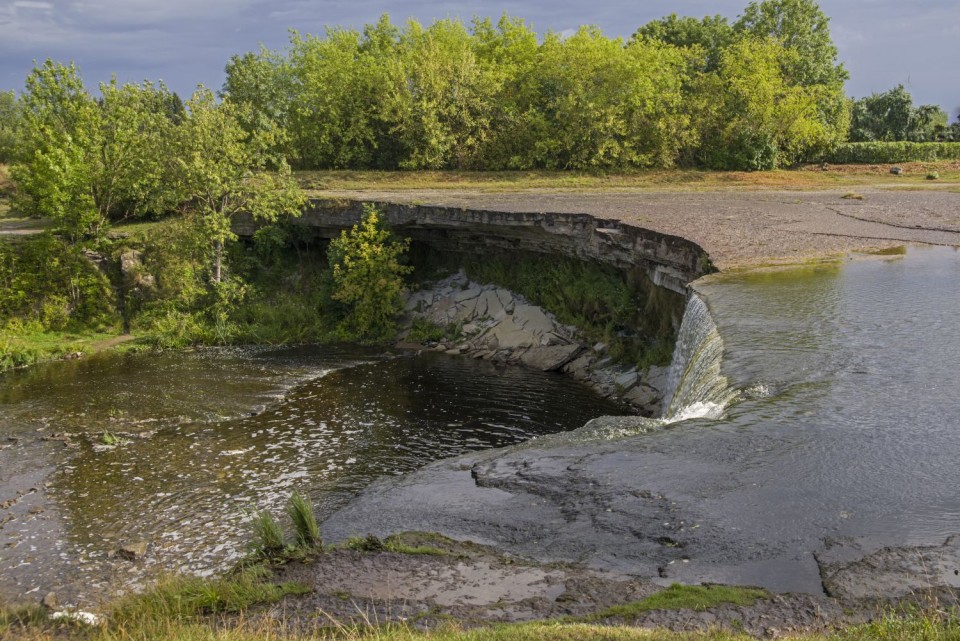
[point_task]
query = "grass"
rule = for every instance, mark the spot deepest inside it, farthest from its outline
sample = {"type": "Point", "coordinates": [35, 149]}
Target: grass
{"type": "Point", "coordinates": [230, 608]}
{"type": "Point", "coordinates": [22, 348]}
{"type": "Point", "coordinates": [185, 598]}
{"type": "Point", "coordinates": [393, 543]}
{"type": "Point", "coordinates": [304, 521]}
{"type": "Point", "coordinates": [807, 177]}
{"type": "Point", "coordinates": [683, 597]}
{"type": "Point", "coordinates": [267, 534]}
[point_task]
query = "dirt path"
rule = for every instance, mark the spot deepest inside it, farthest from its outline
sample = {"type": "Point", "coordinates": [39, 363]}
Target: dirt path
{"type": "Point", "coordinates": [738, 228]}
{"type": "Point", "coordinates": [110, 343]}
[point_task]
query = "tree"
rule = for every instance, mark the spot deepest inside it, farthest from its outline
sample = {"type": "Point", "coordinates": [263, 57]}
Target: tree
{"type": "Point", "coordinates": [891, 116]}
{"type": "Point", "coordinates": [10, 124]}
{"type": "Point", "coordinates": [224, 172]}
{"type": "Point", "coordinates": [802, 26]}
{"type": "Point", "coordinates": [757, 119]}
{"type": "Point", "coordinates": [710, 34]}
{"type": "Point", "coordinates": [440, 97]}
{"type": "Point", "coordinates": [368, 278]}
{"type": "Point", "coordinates": [337, 100]}
{"type": "Point", "coordinates": [803, 29]}
{"type": "Point", "coordinates": [262, 83]}
{"type": "Point", "coordinates": [621, 108]}
{"type": "Point", "coordinates": [83, 161]}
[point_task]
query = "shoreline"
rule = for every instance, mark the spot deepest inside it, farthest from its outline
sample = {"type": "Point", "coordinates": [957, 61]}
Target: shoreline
{"type": "Point", "coordinates": [791, 245]}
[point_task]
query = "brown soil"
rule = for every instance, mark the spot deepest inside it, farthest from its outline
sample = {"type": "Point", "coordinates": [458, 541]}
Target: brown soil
{"type": "Point", "coordinates": [476, 585]}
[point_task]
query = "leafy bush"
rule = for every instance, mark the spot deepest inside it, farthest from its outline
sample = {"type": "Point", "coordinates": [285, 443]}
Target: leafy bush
{"type": "Point", "coordinates": [49, 281]}
{"type": "Point", "coordinates": [368, 278]}
{"type": "Point", "coordinates": [891, 152]}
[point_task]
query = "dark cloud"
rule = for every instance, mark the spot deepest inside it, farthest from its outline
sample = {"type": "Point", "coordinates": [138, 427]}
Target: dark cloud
{"type": "Point", "coordinates": [185, 42]}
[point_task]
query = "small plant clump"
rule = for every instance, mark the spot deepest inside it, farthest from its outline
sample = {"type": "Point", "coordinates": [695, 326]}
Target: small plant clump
{"type": "Point", "coordinates": [933, 175]}
{"type": "Point", "coordinates": [268, 535]}
{"type": "Point", "coordinates": [304, 522]}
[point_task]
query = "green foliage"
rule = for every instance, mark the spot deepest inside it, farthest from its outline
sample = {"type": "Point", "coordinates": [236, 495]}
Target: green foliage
{"type": "Point", "coordinates": [181, 598]}
{"type": "Point", "coordinates": [495, 96]}
{"type": "Point", "coordinates": [709, 36]}
{"type": "Point", "coordinates": [802, 28]}
{"type": "Point", "coordinates": [268, 535]}
{"type": "Point", "coordinates": [224, 172]}
{"type": "Point", "coordinates": [53, 284]}
{"type": "Point", "coordinates": [759, 119]}
{"type": "Point", "coordinates": [368, 278]}
{"type": "Point", "coordinates": [305, 525]}
{"type": "Point", "coordinates": [684, 597]}
{"type": "Point", "coordinates": [893, 152]}
{"type": "Point", "coordinates": [10, 124]}
{"type": "Point", "coordinates": [423, 331]}
{"type": "Point", "coordinates": [83, 162]}
{"type": "Point", "coordinates": [891, 116]}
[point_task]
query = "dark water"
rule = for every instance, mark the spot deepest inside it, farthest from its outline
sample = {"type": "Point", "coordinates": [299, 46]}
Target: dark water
{"type": "Point", "coordinates": [855, 438]}
{"type": "Point", "coordinates": [209, 437]}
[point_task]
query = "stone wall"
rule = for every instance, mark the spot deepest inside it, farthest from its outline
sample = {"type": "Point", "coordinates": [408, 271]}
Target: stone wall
{"type": "Point", "coordinates": [670, 261]}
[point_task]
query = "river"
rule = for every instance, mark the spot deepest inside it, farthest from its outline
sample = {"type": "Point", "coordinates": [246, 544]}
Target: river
{"type": "Point", "coordinates": [179, 449]}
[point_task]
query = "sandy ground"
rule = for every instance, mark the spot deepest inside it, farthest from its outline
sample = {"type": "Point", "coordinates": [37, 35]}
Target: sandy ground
{"type": "Point", "coordinates": [737, 228]}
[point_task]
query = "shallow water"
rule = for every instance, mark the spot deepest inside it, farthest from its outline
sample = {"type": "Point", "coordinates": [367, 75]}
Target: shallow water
{"type": "Point", "coordinates": [854, 438]}
{"type": "Point", "coordinates": [206, 438]}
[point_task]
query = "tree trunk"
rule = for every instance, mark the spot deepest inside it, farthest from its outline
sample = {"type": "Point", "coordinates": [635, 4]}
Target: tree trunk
{"type": "Point", "coordinates": [217, 260]}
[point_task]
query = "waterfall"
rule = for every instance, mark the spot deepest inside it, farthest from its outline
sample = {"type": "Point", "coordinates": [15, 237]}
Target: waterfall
{"type": "Point", "coordinates": [695, 385]}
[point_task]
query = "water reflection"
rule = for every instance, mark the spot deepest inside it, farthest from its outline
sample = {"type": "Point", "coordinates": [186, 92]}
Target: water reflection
{"type": "Point", "coordinates": [210, 437]}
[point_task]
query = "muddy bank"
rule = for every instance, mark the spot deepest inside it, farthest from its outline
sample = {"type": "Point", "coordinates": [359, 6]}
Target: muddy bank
{"type": "Point", "coordinates": [477, 585]}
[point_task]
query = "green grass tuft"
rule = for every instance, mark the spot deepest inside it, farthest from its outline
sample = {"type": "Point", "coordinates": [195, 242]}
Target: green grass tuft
{"type": "Point", "coordinates": [267, 533]}
{"type": "Point", "coordinates": [683, 597]}
{"type": "Point", "coordinates": [304, 521]}
{"type": "Point", "coordinates": [182, 598]}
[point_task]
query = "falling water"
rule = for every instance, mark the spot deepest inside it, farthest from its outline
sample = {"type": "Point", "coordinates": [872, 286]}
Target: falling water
{"type": "Point", "coordinates": [696, 387]}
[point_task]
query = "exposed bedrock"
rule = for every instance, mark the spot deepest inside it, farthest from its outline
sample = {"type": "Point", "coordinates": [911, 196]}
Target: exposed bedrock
{"type": "Point", "coordinates": [670, 261]}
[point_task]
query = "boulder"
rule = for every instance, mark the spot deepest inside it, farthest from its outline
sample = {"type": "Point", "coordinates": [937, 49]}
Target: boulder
{"type": "Point", "coordinates": [467, 294]}
{"type": "Point", "coordinates": [133, 550]}
{"type": "Point", "coordinates": [505, 297]}
{"type": "Point", "coordinates": [580, 368]}
{"type": "Point", "coordinates": [510, 335]}
{"type": "Point", "coordinates": [628, 379]}
{"type": "Point", "coordinates": [533, 320]}
{"type": "Point", "coordinates": [644, 396]}
{"type": "Point", "coordinates": [550, 358]}
{"type": "Point", "coordinates": [656, 377]}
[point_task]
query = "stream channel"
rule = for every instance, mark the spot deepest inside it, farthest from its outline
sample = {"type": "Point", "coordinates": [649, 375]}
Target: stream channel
{"type": "Point", "coordinates": [839, 385]}
{"type": "Point", "coordinates": [208, 437]}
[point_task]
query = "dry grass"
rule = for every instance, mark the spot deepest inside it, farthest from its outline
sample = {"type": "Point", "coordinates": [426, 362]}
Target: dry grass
{"type": "Point", "coordinates": [808, 177]}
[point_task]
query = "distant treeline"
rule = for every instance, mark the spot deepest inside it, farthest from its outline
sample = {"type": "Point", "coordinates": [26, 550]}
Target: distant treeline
{"type": "Point", "coordinates": [762, 92]}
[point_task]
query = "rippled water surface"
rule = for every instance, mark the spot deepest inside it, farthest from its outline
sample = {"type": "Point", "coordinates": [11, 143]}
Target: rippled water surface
{"type": "Point", "coordinates": [855, 436]}
{"type": "Point", "coordinates": [208, 437]}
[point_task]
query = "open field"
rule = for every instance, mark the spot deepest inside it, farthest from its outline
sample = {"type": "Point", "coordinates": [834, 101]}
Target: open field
{"type": "Point", "coordinates": [811, 177]}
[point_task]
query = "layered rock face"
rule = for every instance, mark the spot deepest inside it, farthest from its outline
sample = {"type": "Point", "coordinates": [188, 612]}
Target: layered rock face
{"type": "Point", "coordinates": [496, 324]}
{"type": "Point", "coordinates": [670, 261]}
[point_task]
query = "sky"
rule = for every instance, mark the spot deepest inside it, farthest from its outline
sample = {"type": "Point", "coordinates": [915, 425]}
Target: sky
{"type": "Point", "coordinates": [883, 43]}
